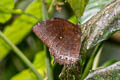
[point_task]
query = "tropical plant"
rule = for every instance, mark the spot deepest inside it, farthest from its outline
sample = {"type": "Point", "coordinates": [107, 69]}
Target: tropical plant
{"type": "Point", "coordinates": [24, 57]}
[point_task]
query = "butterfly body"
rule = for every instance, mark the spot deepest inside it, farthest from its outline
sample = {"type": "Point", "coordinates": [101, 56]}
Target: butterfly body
{"type": "Point", "coordinates": [62, 37]}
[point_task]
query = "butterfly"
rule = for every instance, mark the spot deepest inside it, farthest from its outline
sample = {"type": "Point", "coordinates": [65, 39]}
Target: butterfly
{"type": "Point", "coordinates": [62, 37]}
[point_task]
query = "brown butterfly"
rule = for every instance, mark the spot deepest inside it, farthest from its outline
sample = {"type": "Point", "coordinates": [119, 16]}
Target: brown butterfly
{"type": "Point", "coordinates": [62, 37]}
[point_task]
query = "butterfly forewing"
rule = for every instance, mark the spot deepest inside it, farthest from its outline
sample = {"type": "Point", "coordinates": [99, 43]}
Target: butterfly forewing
{"type": "Point", "coordinates": [62, 37]}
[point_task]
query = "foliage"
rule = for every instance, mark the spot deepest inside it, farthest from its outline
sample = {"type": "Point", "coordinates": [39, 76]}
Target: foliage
{"type": "Point", "coordinates": [17, 19]}
{"type": "Point", "coordinates": [21, 27]}
{"type": "Point", "coordinates": [5, 5]}
{"type": "Point", "coordinates": [39, 63]}
{"type": "Point", "coordinates": [108, 73]}
{"type": "Point", "coordinates": [78, 6]}
{"type": "Point", "coordinates": [101, 26]}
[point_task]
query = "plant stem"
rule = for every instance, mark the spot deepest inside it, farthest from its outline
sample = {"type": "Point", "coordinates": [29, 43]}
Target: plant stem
{"type": "Point", "coordinates": [44, 11]}
{"type": "Point", "coordinates": [90, 62]}
{"type": "Point", "coordinates": [97, 58]}
{"type": "Point", "coordinates": [51, 9]}
{"type": "Point", "coordinates": [48, 64]}
{"type": "Point", "coordinates": [49, 68]}
{"type": "Point", "coordinates": [51, 6]}
{"type": "Point", "coordinates": [22, 56]}
{"type": "Point", "coordinates": [18, 11]}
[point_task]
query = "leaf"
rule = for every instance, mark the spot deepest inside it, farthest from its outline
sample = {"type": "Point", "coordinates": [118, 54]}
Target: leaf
{"type": "Point", "coordinates": [48, 2]}
{"type": "Point", "coordinates": [92, 8]}
{"type": "Point", "coordinates": [73, 19]}
{"type": "Point", "coordinates": [78, 6]}
{"type": "Point", "coordinates": [25, 75]}
{"type": "Point", "coordinates": [109, 73]}
{"type": "Point", "coordinates": [39, 63]}
{"type": "Point", "coordinates": [21, 27]}
{"type": "Point", "coordinates": [5, 4]}
{"type": "Point", "coordinates": [108, 63]}
{"type": "Point", "coordinates": [48, 64]}
{"type": "Point", "coordinates": [101, 26]}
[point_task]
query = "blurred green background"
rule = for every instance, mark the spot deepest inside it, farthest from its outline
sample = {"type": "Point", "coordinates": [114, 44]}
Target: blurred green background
{"type": "Point", "coordinates": [17, 17]}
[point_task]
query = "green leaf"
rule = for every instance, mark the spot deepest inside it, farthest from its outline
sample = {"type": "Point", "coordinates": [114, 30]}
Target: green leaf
{"type": "Point", "coordinates": [48, 64]}
{"type": "Point", "coordinates": [78, 6]}
{"type": "Point", "coordinates": [109, 73]}
{"type": "Point", "coordinates": [21, 27]}
{"type": "Point", "coordinates": [25, 75]}
{"type": "Point", "coordinates": [92, 8]}
{"type": "Point", "coordinates": [108, 63]}
{"type": "Point", "coordinates": [39, 63]}
{"type": "Point", "coordinates": [101, 26]}
{"type": "Point", "coordinates": [4, 5]}
{"type": "Point", "coordinates": [73, 19]}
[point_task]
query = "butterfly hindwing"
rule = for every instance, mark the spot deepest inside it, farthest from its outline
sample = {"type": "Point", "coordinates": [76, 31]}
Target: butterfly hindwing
{"type": "Point", "coordinates": [62, 37]}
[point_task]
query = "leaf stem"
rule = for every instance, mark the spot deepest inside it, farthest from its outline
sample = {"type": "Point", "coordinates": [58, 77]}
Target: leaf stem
{"type": "Point", "coordinates": [18, 11]}
{"type": "Point", "coordinates": [90, 62]}
{"type": "Point", "coordinates": [49, 68]}
{"type": "Point", "coordinates": [44, 11]}
{"type": "Point", "coordinates": [21, 55]}
{"type": "Point", "coordinates": [51, 9]}
{"type": "Point", "coordinates": [97, 58]}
